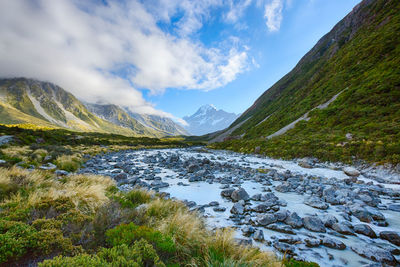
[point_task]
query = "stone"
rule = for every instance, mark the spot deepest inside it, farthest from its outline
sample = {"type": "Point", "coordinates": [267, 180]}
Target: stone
{"type": "Point", "coordinates": [390, 236]}
{"type": "Point", "coordinates": [120, 176]}
{"type": "Point", "coordinates": [329, 220]}
{"type": "Point", "coordinates": [316, 203]}
{"type": "Point", "coordinates": [227, 192]}
{"type": "Point", "coordinates": [219, 209]}
{"type": "Point", "coordinates": [351, 171]}
{"type": "Point", "coordinates": [294, 220]}
{"type": "Point", "coordinates": [364, 229]}
{"type": "Point", "coordinates": [280, 227]}
{"type": "Point", "coordinates": [342, 228]}
{"type": "Point", "coordinates": [333, 243]}
{"type": "Point", "coordinates": [312, 242]}
{"type": "Point", "coordinates": [237, 208]}
{"type": "Point", "coordinates": [193, 168]}
{"type": "Point", "coordinates": [257, 150]}
{"type": "Point", "coordinates": [374, 253]}
{"type": "Point", "coordinates": [213, 203]}
{"type": "Point", "coordinates": [2, 162]}
{"type": "Point", "coordinates": [258, 235]}
{"type": "Point", "coordinates": [48, 166]}
{"type": "Point", "coordinates": [248, 230]}
{"type": "Point", "coordinates": [61, 173]}
{"type": "Point", "coordinates": [261, 208]}
{"type": "Point", "coordinates": [267, 219]}
{"type": "Point", "coordinates": [240, 194]}
{"type": "Point", "coordinates": [314, 224]}
{"type": "Point", "coordinates": [283, 247]}
{"type": "Point", "coordinates": [305, 163]}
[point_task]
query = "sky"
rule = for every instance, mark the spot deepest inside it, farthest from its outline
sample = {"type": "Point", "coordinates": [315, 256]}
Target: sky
{"type": "Point", "coordinates": [165, 57]}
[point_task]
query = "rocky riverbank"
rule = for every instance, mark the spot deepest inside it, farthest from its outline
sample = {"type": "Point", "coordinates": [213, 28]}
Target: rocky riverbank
{"type": "Point", "coordinates": [331, 214]}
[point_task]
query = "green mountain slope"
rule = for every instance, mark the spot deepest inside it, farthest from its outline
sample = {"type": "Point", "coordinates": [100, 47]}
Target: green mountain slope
{"type": "Point", "coordinates": [45, 104]}
{"type": "Point", "coordinates": [358, 60]}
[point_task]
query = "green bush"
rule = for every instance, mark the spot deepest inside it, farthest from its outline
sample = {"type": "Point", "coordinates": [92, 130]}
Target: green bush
{"type": "Point", "coordinates": [140, 254]}
{"type": "Point", "coordinates": [129, 233]}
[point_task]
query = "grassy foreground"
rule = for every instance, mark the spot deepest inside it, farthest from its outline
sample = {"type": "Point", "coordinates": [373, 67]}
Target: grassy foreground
{"type": "Point", "coordinates": [84, 220]}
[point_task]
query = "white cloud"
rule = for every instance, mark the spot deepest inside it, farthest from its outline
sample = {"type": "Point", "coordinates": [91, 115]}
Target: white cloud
{"type": "Point", "coordinates": [102, 53]}
{"type": "Point", "coordinates": [237, 8]}
{"type": "Point", "coordinates": [273, 14]}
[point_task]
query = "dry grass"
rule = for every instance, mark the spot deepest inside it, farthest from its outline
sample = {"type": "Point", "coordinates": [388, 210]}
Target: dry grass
{"type": "Point", "coordinates": [223, 242]}
{"type": "Point", "coordinates": [69, 162]}
{"type": "Point", "coordinates": [87, 192]}
{"type": "Point", "coordinates": [39, 154]}
{"type": "Point", "coordinates": [21, 152]}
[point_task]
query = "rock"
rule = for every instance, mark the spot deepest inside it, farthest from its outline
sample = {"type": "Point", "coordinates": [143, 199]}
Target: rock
{"type": "Point", "coordinates": [194, 178]}
{"type": "Point", "coordinates": [120, 176]}
{"type": "Point", "coordinates": [312, 242]}
{"type": "Point", "coordinates": [258, 235]}
{"type": "Point", "coordinates": [61, 173]}
{"type": "Point", "coordinates": [257, 150]}
{"type": "Point", "coordinates": [248, 230]}
{"type": "Point", "coordinates": [314, 224]}
{"type": "Point", "coordinates": [280, 227]}
{"type": "Point", "coordinates": [394, 207]}
{"type": "Point", "coordinates": [227, 192]}
{"type": "Point", "coordinates": [305, 163]}
{"type": "Point", "coordinates": [333, 243]}
{"type": "Point", "coordinates": [342, 228]}
{"type": "Point", "coordinates": [48, 166]}
{"type": "Point", "coordinates": [361, 213]}
{"type": "Point", "coordinates": [261, 208]}
{"type": "Point", "coordinates": [290, 240]}
{"type": "Point", "coordinates": [243, 241]}
{"type": "Point", "coordinates": [283, 188]}
{"type": "Point", "coordinates": [351, 171]}
{"type": "Point", "coordinates": [237, 208]}
{"type": "Point", "coordinates": [240, 194]}
{"type": "Point", "coordinates": [193, 168]}
{"type": "Point", "coordinates": [374, 253]}
{"type": "Point", "coordinates": [213, 203]}
{"type": "Point", "coordinates": [2, 162]}
{"type": "Point", "coordinates": [316, 203]}
{"type": "Point", "coordinates": [364, 229]}
{"type": "Point", "coordinates": [5, 139]}
{"type": "Point", "coordinates": [283, 247]}
{"type": "Point", "coordinates": [256, 197]}
{"type": "Point", "coordinates": [329, 220]}
{"type": "Point", "coordinates": [267, 219]}
{"type": "Point", "coordinates": [294, 220]}
{"type": "Point", "coordinates": [390, 236]}
{"type": "Point", "coordinates": [281, 215]}
{"type": "Point", "coordinates": [219, 209]}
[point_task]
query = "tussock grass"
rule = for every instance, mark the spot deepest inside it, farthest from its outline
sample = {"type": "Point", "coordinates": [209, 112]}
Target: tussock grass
{"type": "Point", "coordinates": [69, 163]}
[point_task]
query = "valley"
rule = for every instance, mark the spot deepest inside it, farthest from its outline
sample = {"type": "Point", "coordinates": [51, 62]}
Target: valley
{"type": "Point", "coordinates": [318, 214]}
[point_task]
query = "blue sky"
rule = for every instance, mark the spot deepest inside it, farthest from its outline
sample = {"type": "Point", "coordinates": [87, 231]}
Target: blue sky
{"type": "Point", "coordinates": [303, 23]}
{"type": "Point", "coordinates": [165, 57]}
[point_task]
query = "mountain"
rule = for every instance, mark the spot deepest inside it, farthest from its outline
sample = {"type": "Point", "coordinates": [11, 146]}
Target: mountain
{"type": "Point", "coordinates": [120, 117]}
{"type": "Point", "coordinates": [208, 119]}
{"type": "Point", "coordinates": [162, 124]}
{"type": "Point", "coordinates": [140, 123]}
{"type": "Point", "coordinates": [45, 104]}
{"type": "Point", "coordinates": [340, 102]}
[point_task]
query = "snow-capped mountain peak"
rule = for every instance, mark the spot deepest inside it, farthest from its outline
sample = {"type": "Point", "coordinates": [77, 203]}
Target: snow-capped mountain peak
{"type": "Point", "coordinates": [208, 119]}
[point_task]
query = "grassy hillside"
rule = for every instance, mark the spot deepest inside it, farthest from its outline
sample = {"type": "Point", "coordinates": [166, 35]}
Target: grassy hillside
{"type": "Point", "coordinates": [44, 104]}
{"type": "Point", "coordinates": [362, 55]}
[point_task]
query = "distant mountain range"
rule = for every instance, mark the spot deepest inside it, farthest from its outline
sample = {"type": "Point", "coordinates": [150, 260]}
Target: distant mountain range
{"type": "Point", "coordinates": [45, 104]}
{"type": "Point", "coordinates": [209, 119]}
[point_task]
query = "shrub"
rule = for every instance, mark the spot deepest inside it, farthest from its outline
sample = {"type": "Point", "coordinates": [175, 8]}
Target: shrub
{"type": "Point", "coordinates": [129, 233]}
{"type": "Point", "coordinates": [69, 163]}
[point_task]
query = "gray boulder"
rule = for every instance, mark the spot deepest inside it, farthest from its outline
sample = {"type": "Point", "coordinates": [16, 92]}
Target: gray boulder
{"type": "Point", "coordinates": [267, 219]}
{"type": "Point", "coordinates": [364, 229]}
{"type": "Point", "coordinates": [227, 192]}
{"type": "Point", "coordinates": [390, 236]}
{"type": "Point", "coordinates": [351, 171]}
{"type": "Point", "coordinates": [314, 224]}
{"type": "Point", "coordinates": [374, 253]}
{"type": "Point", "coordinates": [294, 220]}
{"type": "Point", "coordinates": [240, 194]}
{"type": "Point", "coordinates": [258, 235]}
{"type": "Point", "coordinates": [342, 228]}
{"type": "Point", "coordinates": [333, 243]}
{"type": "Point", "coordinates": [237, 208]}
